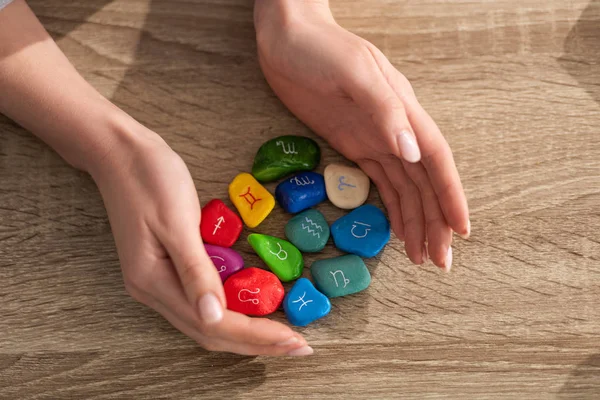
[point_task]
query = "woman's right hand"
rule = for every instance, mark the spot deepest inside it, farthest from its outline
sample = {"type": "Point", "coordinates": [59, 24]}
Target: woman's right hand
{"type": "Point", "coordinates": [154, 213]}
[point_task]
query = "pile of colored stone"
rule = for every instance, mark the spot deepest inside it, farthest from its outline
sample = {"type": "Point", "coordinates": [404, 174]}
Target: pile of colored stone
{"type": "Point", "coordinates": [362, 233]}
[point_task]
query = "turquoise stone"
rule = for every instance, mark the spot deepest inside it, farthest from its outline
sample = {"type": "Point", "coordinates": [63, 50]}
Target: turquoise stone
{"type": "Point", "coordinates": [282, 257]}
{"type": "Point", "coordinates": [283, 155]}
{"type": "Point", "coordinates": [308, 231]}
{"type": "Point", "coordinates": [341, 276]}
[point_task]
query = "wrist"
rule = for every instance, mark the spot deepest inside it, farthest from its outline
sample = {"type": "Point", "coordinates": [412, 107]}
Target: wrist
{"type": "Point", "coordinates": [272, 17]}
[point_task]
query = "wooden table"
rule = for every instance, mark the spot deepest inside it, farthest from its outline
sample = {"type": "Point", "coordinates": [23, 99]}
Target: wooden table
{"type": "Point", "coordinates": [514, 85]}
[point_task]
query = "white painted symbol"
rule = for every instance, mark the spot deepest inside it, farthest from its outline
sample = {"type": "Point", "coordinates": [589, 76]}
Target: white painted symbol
{"type": "Point", "coordinates": [342, 183]}
{"type": "Point", "coordinates": [220, 220]}
{"type": "Point", "coordinates": [253, 301]}
{"type": "Point", "coordinates": [310, 230]}
{"type": "Point", "coordinates": [346, 280]}
{"type": "Point", "coordinates": [223, 267]}
{"type": "Point", "coordinates": [291, 147]}
{"type": "Point", "coordinates": [301, 299]}
{"type": "Point", "coordinates": [279, 252]}
{"type": "Point", "coordinates": [366, 230]}
{"type": "Point", "coordinates": [303, 181]}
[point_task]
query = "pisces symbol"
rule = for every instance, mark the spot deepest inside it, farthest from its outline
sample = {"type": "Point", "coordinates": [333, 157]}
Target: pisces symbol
{"type": "Point", "coordinates": [355, 226]}
{"type": "Point", "coordinates": [291, 147]}
{"type": "Point", "coordinates": [301, 299]}
{"type": "Point", "coordinates": [253, 301]}
{"type": "Point", "coordinates": [342, 183]}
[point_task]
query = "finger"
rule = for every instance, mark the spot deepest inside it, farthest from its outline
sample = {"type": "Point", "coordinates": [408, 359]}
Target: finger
{"type": "Point", "coordinates": [439, 234]}
{"type": "Point", "coordinates": [412, 209]}
{"type": "Point", "coordinates": [388, 194]}
{"type": "Point", "coordinates": [367, 86]}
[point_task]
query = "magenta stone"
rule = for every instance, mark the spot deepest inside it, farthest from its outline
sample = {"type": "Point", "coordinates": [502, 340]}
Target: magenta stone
{"type": "Point", "coordinates": [227, 261]}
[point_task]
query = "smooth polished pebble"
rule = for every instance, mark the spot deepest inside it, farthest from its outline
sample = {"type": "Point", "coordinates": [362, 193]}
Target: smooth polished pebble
{"type": "Point", "coordinates": [219, 224]}
{"type": "Point", "coordinates": [301, 191]}
{"type": "Point", "coordinates": [308, 231]}
{"type": "Point", "coordinates": [347, 187]}
{"type": "Point", "coordinates": [252, 200]}
{"type": "Point", "coordinates": [341, 276]}
{"type": "Point", "coordinates": [227, 261]}
{"type": "Point", "coordinates": [282, 257]}
{"type": "Point", "coordinates": [253, 291]}
{"type": "Point", "coordinates": [283, 155]}
{"type": "Point", "coordinates": [304, 304]}
{"type": "Point", "coordinates": [364, 231]}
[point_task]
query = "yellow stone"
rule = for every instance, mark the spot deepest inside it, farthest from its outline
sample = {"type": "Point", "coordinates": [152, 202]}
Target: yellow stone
{"type": "Point", "coordinates": [252, 200]}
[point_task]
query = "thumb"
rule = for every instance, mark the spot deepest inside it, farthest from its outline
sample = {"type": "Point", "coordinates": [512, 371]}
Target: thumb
{"type": "Point", "coordinates": [199, 277]}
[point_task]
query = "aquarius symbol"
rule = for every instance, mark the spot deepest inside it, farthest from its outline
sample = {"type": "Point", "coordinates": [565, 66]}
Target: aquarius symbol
{"type": "Point", "coordinates": [346, 280]}
{"type": "Point", "coordinates": [281, 250]}
{"type": "Point", "coordinates": [223, 267]}
{"type": "Point", "coordinates": [253, 301]}
{"type": "Point", "coordinates": [305, 180]}
{"type": "Point", "coordinates": [301, 298]}
{"type": "Point", "coordinates": [254, 199]}
{"type": "Point", "coordinates": [291, 147]}
{"type": "Point", "coordinates": [310, 230]}
{"type": "Point", "coordinates": [342, 183]}
{"type": "Point", "coordinates": [220, 220]}
{"type": "Point", "coordinates": [366, 230]}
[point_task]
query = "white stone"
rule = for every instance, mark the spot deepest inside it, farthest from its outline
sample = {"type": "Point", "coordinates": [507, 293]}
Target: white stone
{"type": "Point", "coordinates": [347, 187]}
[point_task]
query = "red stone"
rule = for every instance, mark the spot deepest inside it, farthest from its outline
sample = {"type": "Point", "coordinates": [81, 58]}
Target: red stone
{"type": "Point", "coordinates": [219, 225]}
{"type": "Point", "coordinates": [253, 291]}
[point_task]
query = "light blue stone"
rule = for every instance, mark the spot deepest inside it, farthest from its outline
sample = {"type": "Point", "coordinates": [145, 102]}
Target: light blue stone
{"type": "Point", "coordinates": [308, 231]}
{"type": "Point", "coordinates": [304, 304]}
{"type": "Point", "coordinates": [301, 191]}
{"type": "Point", "coordinates": [365, 231]}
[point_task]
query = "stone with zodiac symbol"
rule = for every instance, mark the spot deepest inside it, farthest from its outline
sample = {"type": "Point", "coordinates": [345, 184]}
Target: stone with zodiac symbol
{"type": "Point", "coordinates": [301, 191]}
{"type": "Point", "coordinates": [252, 200]}
{"type": "Point", "coordinates": [282, 257]}
{"type": "Point", "coordinates": [341, 276]}
{"type": "Point", "coordinates": [227, 261]}
{"type": "Point", "coordinates": [304, 304]}
{"type": "Point", "coordinates": [253, 291]}
{"type": "Point", "coordinates": [219, 225]}
{"type": "Point", "coordinates": [364, 231]}
{"type": "Point", "coordinates": [347, 187]}
{"type": "Point", "coordinates": [283, 155]}
{"type": "Point", "coordinates": [308, 231]}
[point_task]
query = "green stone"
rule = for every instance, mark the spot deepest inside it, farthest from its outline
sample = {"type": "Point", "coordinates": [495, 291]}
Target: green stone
{"type": "Point", "coordinates": [283, 155]}
{"type": "Point", "coordinates": [308, 231]}
{"type": "Point", "coordinates": [284, 259]}
{"type": "Point", "coordinates": [340, 276]}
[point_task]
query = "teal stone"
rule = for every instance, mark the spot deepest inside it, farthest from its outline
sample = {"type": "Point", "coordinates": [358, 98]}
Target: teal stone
{"type": "Point", "coordinates": [341, 276]}
{"type": "Point", "coordinates": [283, 155]}
{"type": "Point", "coordinates": [308, 231]}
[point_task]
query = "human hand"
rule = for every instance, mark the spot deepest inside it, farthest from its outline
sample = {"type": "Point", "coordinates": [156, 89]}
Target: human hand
{"type": "Point", "coordinates": [154, 213]}
{"type": "Point", "coordinates": [348, 92]}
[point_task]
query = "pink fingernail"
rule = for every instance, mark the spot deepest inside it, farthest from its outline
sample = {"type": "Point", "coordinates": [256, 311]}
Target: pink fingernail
{"type": "Point", "coordinates": [292, 340]}
{"type": "Point", "coordinates": [448, 262]}
{"type": "Point", "coordinates": [302, 351]}
{"type": "Point", "coordinates": [425, 254]}
{"type": "Point", "coordinates": [409, 147]}
{"type": "Point", "coordinates": [466, 235]}
{"type": "Point", "coordinates": [210, 308]}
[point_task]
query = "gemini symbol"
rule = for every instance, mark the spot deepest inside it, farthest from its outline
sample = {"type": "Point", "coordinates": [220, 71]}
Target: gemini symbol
{"type": "Point", "coordinates": [252, 201]}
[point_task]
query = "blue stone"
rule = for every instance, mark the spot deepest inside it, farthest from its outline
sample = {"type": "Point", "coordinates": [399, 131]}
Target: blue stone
{"type": "Point", "coordinates": [363, 232]}
{"type": "Point", "coordinates": [308, 231]}
{"type": "Point", "coordinates": [301, 191]}
{"type": "Point", "coordinates": [304, 304]}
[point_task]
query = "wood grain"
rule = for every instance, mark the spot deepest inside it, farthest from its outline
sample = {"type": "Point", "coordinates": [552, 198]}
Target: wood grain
{"type": "Point", "coordinates": [514, 87]}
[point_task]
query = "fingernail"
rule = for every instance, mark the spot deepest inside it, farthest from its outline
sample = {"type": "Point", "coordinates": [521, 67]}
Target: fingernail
{"type": "Point", "coordinates": [466, 235]}
{"type": "Point", "coordinates": [409, 147]}
{"type": "Point", "coordinates": [448, 262]}
{"type": "Point", "coordinates": [292, 340]}
{"type": "Point", "coordinates": [425, 254]}
{"type": "Point", "coordinates": [210, 308]}
{"type": "Point", "coordinates": [302, 351]}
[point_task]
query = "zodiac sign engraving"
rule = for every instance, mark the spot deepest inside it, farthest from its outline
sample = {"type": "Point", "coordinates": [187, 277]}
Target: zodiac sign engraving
{"type": "Point", "coordinates": [223, 267]}
{"type": "Point", "coordinates": [301, 299]}
{"type": "Point", "coordinates": [346, 280]}
{"type": "Point", "coordinates": [342, 183]}
{"type": "Point", "coordinates": [281, 250]}
{"type": "Point", "coordinates": [291, 147]}
{"type": "Point", "coordinates": [218, 224]}
{"type": "Point", "coordinates": [253, 301]}
{"type": "Point", "coordinates": [310, 230]}
{"type": "Point", "coordinates": [251, 200]}
{"type": "Point", "coordinates": [366, 230]}
{"type": "Point", "coordinates": [303, 181]}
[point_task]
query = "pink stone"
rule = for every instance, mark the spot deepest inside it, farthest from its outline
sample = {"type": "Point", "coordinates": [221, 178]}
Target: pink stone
{"type": "Point", "coordinates": [227, 261]}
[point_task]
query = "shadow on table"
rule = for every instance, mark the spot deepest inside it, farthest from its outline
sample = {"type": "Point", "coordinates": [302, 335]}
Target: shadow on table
{"type": "Point", "coordinates": [581, 58]}
{"type": "Point", "coordinates": [584, 381]}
